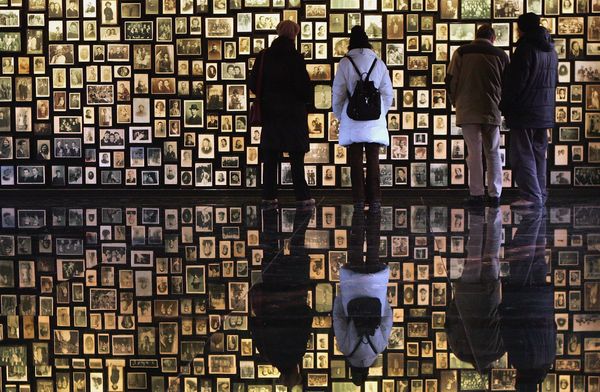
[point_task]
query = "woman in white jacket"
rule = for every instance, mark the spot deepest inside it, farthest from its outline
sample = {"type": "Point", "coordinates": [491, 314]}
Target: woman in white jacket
{"type": "Point", "coordinates": [362, 351]}
{"type": "Point", "coordinates": [362, 135]}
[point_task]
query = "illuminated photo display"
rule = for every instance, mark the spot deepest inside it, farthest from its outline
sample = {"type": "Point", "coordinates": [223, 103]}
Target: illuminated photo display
{"type": "Point", "coordinates": [151, 94]}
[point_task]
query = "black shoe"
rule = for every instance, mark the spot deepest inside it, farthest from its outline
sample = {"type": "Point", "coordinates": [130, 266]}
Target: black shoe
{"type": "Point", "coordinates": [493, 201]}
{"type": "Point", "coordinates": [474, 201]}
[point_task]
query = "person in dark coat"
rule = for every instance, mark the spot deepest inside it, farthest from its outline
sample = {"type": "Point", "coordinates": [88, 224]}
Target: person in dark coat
{"type": "Point", "coordinates": [528, 102]}
{"type": "Point", "coordinates": [285, 93]}
{"type": "Point", "coordinates": [472, 319]}
{"type": "Point", "coordinates": [527, 322]}
{"type": "Point", "coordinates": [282, 320]}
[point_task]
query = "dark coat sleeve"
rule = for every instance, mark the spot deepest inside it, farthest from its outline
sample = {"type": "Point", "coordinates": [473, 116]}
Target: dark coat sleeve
{"type": "Point", "coordinates": [301, 80]}
{"type": "Point", "coordinates": [253, 79]}
{"type": "Point", "coordinates": [515, 78]}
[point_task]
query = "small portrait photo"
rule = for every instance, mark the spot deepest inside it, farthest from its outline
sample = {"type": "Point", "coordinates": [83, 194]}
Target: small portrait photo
{"type": "Point", "coordinates": [315, 125]}
{"type": "Point", "coordinates": [67, 124]}
{"type": "Point", "coordinates": [592, 93]}
{"type": "Point", "coordinates": [4, 112]}
{"type": "Point", "coordinates": [138, 30]}
{"type": "Point", "coordinates": [203, 174]}
{"type": "Point", "coordinates": [475, 9]}
{"type": "Point", "coordinates": [162, 86]}
{"type": "Point", "coordinates": [109, 11]}
{"type": "Point", "coordinates": [110, 177]}
{"type": "Point", "coordinates": [395, 54]}
{"type": "Point", "coordinates": [30, 175]}
{"type": "Point", "coordinates": [319, 72]}
{"type": "Point", "coordinates": [100, 94]}
{"type": "Point", "coordinates": [594, 152]}
{"type": "Point", "coordinates": [150, 177]}
{"type": "Point", "coordinates": [508, 9]}
{"type": "Point", "coordinates": [194, 114]}
{"type": "Point", "coordinates": [462, 32]}
{"type": "Point", "coordinates": [6, 147]}
{"type": "Point", "coordinates": [236, 98]}
{"type": "Point", "coordinates": [233, 71]}
{"type": "Point", "coordinates": [206, 148]}
{"type": "Point", "coordinates": [220, 27]}
{"type": "Point", "coordinates": [31, 219]}
{"type": "Point", "coordinates": [140, 135]}
{"type": "Point", "coordinates": [568, 134]}
{"type": "Point", "coordinates": [322, 96]}
{"type": "Point", "coordinates": [112, 139]}
{"type": "Point", "coordinates": [395, 27]}
{"type": "Point", "coordinates": [118, 52]}
{"type": "Point", "coordinates": [592, 125]}
{"type": "Point", "coordinates": [449, 9]}
{"type": "Point", "coordinates": [60, 54]}
{"type": "Point", "coordinates": [67, 148]}
{"type": "Point", "coordinates": [587, 71]}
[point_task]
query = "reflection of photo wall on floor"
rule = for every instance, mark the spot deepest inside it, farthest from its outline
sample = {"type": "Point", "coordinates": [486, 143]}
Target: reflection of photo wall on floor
{"type": "Point", "coordinates": [152, 297]}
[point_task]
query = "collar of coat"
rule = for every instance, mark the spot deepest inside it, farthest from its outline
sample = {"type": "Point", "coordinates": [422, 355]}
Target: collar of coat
{"type": "Point", "coordinates": [482, 41]}
{"type": "Point", "coordinates": [539, 38]}
{"type": "Point", "coordinates": [282, 43]}
{"type": "Point", "coordinates": [364, 51]}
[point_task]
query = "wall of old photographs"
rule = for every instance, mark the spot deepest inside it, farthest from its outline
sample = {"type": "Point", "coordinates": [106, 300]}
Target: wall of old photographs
{"type": "Point", "coordinates": [145, 94]}
{"type": "Point", "coordinates": [130, 298]}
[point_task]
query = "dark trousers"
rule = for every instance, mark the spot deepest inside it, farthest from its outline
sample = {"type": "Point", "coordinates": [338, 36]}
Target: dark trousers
{"type": "Point", "coordinates": [528, 161]}
{"type": "Point", "coordinates": [361, 190]}
{"type": "Point", "coordinates": [271, 159]}
{"type": "Point", "coordinates": [369, 226]}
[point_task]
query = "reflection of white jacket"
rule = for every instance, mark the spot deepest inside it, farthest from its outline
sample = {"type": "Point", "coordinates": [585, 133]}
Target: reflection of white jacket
{"type": "Point", "coordinates": [351, 131]}
{"type": "Point", "coordinates": [353, 285]}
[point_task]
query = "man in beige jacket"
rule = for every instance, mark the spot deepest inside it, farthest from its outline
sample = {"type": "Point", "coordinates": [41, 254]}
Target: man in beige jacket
{"type": "Point", "coordinates": [474, 81]}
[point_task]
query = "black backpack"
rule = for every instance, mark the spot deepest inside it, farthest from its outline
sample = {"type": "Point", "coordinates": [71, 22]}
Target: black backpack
{"type": "Point", "coordinates": [366, 314]}
{"type": "Point", "coordinates": [365, 103]}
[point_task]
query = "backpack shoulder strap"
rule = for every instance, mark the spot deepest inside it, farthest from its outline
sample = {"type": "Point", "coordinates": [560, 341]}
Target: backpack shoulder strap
{"type": "Point", "coordinates": [361, 341]}
{"type": "Point", "coordinates": [371, 69]}
{"type": "Point", "coordinates": [355, 67]}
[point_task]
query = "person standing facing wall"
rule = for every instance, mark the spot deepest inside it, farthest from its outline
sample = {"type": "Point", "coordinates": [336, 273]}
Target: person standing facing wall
{"type": "Point", "coordinates": [474, 81]}
{"type": "Point", "coordinates": [286, 92]}
{"type": "Point", "coordinates": [528, 104]}
{"type": "Point", "coordinates": [362, 135]}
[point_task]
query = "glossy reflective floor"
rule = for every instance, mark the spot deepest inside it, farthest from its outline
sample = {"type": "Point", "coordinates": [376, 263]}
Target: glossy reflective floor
{"type": "Point", "coordinates": [183, 295]}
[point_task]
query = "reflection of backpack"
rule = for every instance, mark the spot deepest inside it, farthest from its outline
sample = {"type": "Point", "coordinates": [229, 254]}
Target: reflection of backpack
{"type": "Point", "coordinates": [365, 103]}
{"type": "Point", "coordinates": [366, 314]}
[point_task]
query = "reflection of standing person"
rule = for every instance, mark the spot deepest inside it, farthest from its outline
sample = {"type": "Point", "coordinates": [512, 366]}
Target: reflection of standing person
{"type": "Point", "coordinates": [362, 135]}
{"type": "Point", "coordinates": [285, 92]}
{"type": "Point", "coordinates": [282, 321]}
{"type": "Point", "coordinates": [474, 81]}
{"type": "Point", "coordinates": [528, 102]}
{"type": "Point", "coordinates": [472, 322]}
{"type": "Point", "coordinates": [527, 323]}
{"type": "Point", "coordinates": [362, 316]}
